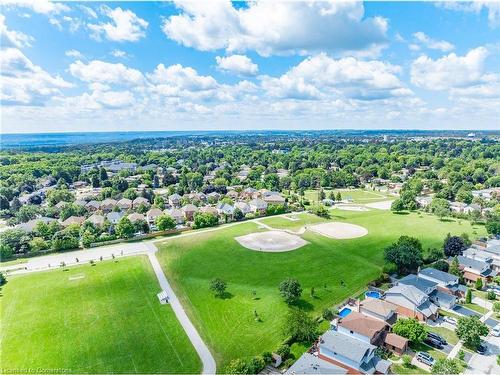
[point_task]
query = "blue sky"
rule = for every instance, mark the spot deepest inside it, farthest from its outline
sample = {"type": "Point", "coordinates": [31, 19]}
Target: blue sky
{"type": "Point", "coordinates": [104, 66]}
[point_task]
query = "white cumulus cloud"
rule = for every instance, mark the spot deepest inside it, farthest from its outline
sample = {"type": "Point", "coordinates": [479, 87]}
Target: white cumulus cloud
{"type": "Point", "coordinates": [428, 42]}
{"type": "Point", "coordinates": [104, 72]}
{"type": "Point", "coordinates": [125, 26]}
{"type": "Point", "coordinates": [450, 71]}
{"type": "Point", "coordinates": [13, 37]}
{"type": "Point", "coordinates": [239, 64]}
{"type": "Point", "coordinates": [280, 27]}
{"type": "Point", "coordinates": [24, 82]}
{"type": "Point", "coordinates": [38, 6]}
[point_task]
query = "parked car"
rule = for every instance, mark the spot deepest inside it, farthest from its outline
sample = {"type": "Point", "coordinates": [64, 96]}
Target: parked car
{"type": "Point", "coordinates": [435, 336]}
{"type": "Point", "coordinates": [482, 349]}
{"type": "Point", "coordinates": [450, 319]}
{"type": "Point", "coordinates": [425, 358]}
{"type": "Point", "coordinates": [434, 343]}
{"type": "Point", "coordinates": [495, 331]}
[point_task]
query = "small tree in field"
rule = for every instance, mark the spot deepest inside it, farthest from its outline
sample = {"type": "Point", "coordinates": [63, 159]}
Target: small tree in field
{"type": "Point", "coordinates": [468, 296]}
{"type": "Point", "coordinates": [290, 290]}
{"type": "Point", "coordinates": [300, 326]}
{"type": "Point", "coordinates": [218, 286]}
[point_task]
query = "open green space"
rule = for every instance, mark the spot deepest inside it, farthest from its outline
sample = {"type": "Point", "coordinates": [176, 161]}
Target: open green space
{"type": "Point", "coordinates": [92, 319]}
{"type": "Point", "coordinates": [228, 324]}
{"type": "Point", "coordinates": [354, 195]}
{"type": "Point", "coordinates": [299, 221]}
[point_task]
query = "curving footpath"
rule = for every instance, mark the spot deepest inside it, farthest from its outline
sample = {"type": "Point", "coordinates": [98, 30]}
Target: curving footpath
{"type": "Point", "coordinates": [209, 366]}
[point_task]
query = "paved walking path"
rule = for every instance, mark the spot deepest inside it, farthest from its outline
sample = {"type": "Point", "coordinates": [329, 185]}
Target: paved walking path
{"type": "Point", "coordinates": [209, 366]}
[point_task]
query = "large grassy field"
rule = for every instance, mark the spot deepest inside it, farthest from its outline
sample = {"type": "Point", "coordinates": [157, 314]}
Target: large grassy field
{"type": "Point", "coordinates": [356, 195]}
{"type": "Point", "coordinates": [228, 325]}
{"type": "Point", "coordinates": [100, 319]}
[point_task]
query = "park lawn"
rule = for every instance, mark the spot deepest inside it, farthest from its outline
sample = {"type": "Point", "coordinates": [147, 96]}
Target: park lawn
{"type": "Point", "coordinates": [446, 333]}
{"type": "Point", "coordinates": [302, 219]}
{"type": "Point", "coordinates": [228, 325]}
{"type": "Point", "coordinates": [355, 195]}
{"type": "Point", "coordinates": [93, 319]}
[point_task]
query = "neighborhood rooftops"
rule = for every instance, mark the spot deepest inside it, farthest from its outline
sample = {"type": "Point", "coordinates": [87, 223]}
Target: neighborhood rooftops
{"type": "Point", "coordinates": [362, 324]}
{"type": "Point", "coordinates": [421, 284]}
{"type": "Point", "coordinates": [439, 275]}
{"type": "Point", "coordinates": [310, 364]}
{"type": "Point", "coordinates": [379, 307]}
{"type": "Point", "coordinates": [345, 345]}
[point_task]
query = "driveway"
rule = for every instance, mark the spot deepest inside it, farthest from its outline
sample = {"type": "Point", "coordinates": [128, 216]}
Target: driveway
{"type": "Point", "coordinates": [486, 364]}
{"type": "Point", "coordinates": [465, 311]}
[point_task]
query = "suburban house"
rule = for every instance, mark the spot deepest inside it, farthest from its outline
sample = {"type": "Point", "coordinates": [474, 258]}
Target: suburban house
{"type": "Point", "coordinates": [445, 281]}
{"type": "Point", "coordinates": [189, 211]}
{"type": "Point", "coordinates": [176, 214]}
{"type": "Point", "coordinates": [233, 194]}
{"type": "Point", "coordinates": [474, 269]}
{"type": "Point", "coordinates": [411, 302]}
{"type": "Point", "coordinates": [174, 200]}
{"type": "Point", "coordinates": [32, 224]}
{"type": "Point", "coordinates": [379, 309]}
{"type": "Point", "coordinates": [273, 197]}
{"type": "Point", "coordinates": [458, 207]}
{"type": "Point", "coordinates": [209, 210]}
{"type": "Point", "coordinates": [140, 201]}
{"type": "Point", "coordinates": [124, 204]}
{"type": "Point", "coordinates": [96, 219]}
{"type": "Point", "coordinates": [355, 355]}
{"type": "Point", "coordinates": [107, 205]}
{"type": "Point", "coordinates": [248, 193]}
{"type": "Point", "coordinates": [135, 217]}
{"type": "Point", "coordinates": [430, 288]}
{"type": "Point", "coordinates": [225, 209]}
{"type": "Point", "coordinates": [114, 217]}
{"type": "Point", "coordinates": [424, 201]}
{"type": "Point", "coordinates": [373, 331]}
{"type": "Point", "coordinates": [311, 364]}
{"type": "Point", "coordinates": [152, 214]}
{"type": "Point", "coordinates": [213, 196]}
{"type": "Point", "coordinates": [257, 205]}
{"type": "Point", "coordinates": [73, 220]}
{"type": "Point", "coordinates": [243, 207]}
{"type": "Point", "coordinates": [93, 205]}
{"type": "Point", "coordinates": [488, 251]}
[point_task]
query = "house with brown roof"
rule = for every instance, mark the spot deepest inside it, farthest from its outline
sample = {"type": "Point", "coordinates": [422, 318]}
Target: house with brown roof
{"type": "Point", "coordinates": [124, 204]}
{"type": "Point", "coordinates": [73, 220]}
{"type": "Point", "coordinates": [96, 219]}
{"type": "Point", "coordinates": [379, 309]}
{"type": "Point", "coordinates": [395, 343]}
{"type": "Point", "coordinates": [93, 205]}
{"type": "Point", "coordinates": [135, 217]}
{"type": "Point", "coordinates": [107, 205]}
{"type": "Point", "coordinates": [175, 214]}
{"type": "Point", "coordinates": [189, 211]}
{"type": "Point", "coordinates": [363, 328]}
{"type": "Point", "coordinates": [140, 201]}
{"type": "Point", "coordinates": [152, 214]}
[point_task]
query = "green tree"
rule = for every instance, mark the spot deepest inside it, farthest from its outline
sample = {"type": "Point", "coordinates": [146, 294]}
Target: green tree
{"type": "Point", "coordinates": [479, 284]}
{"type": "Point", "coordinates": [165, 222]}
{"type": "Point", "coordinates": [124, 228]}
{"type": "Point", "coordinates": [218, 286]}
{"type": "Point", "coordinates": [3, 279]}
{"type": "Point", "coordinates": [440, 207]}
{"type": "Point", "coordinates": [406, 254]}
{"type": "Point", "coordinates": [468, 296]}
{"type": "Point", "coordinates": [469, 330]}
{"type": "Point", "coordinates": [447, 366]}
{"type": "Point", "coordinates": [453, 246]}
{"type": "Point", "coordinates": [411, 329]}
{"type": "Point", "coordinates": [237, 366]}
{"type": "Point", "coordinates": [205, 220]}
{"type": "Point", "coordinates": [300, 326]}
{"type": "Point", "coordinates": [397, 205]}
{"type": "Point", "coordinates": [455, 268]}
{"type": "Point", "coordinates": [290, 290]}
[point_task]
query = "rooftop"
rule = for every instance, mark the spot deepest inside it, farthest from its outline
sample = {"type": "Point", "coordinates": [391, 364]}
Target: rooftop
{"type": "Point", "coordinates": [345, 345]}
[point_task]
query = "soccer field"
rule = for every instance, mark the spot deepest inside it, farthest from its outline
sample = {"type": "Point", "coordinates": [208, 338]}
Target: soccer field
{"type": "Point", "coordinates": [228, 325]}
{"type": "Point", "coordinates": [92, 319]}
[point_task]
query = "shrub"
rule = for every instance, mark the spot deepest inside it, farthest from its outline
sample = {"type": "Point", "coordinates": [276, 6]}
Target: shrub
{"type": "Point", "coordinates": [390, 268]}
{"type": "Point", "coordinates": [300, 326]}
{"type": "Point", "coordinates": [468, 296]}
{"type": "Point", "coordinates": [479, 284]}
{"type": "Point", "coordinates": [491, 295]}
{"type": "Point", "coordinates": [3, 280]}
{"type": "Point", "coordinates": [290, 290]}
{"type": "Point", "coordinates": [237, 366]}
{"type": "Point", "coordinates": [328, 314]}
{"type": "Point", "coordinates": [267, 357]}
{"type": "Point", "coordinates": [256, 365]}
{"type": "Point", "coordinates": [283, 351]}
{"type": "Point", "coordinates": [289, 362]}
{"type": "Point", "coordinates": [218, 286]}
{"type": "Point", "coordinates": [406, 360]}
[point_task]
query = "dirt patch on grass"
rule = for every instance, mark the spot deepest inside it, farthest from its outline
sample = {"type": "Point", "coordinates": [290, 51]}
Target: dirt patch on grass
{"type": "Point", "coordinates": [384, 205]}
{"type": "Point", "coordinates": [339, 231]}
{"type": "Point", "coordinates": [271, 241]}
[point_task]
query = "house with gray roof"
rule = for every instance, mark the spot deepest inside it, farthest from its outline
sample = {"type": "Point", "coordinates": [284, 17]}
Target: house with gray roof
{"type": "Point", "coordinates": [31, 225]}
{"type": "Point", "coordinates": [174, 200]}
{"type": "Point", "coordinates": [124, 204]}
{"type": "Point", "coordinates": [114, 217]}
{"type": "Point", "coordinates": [445, 281]}
{"type": "Point", "coordinates": [175, 214]}
{"type": "Point", "coordinates": [140, 201]}
{"type": "Point", "coordinates": [411, 302]}
{"type": "Point", "coordinates": [96, 219]}
{"type": "Point", "coordinates": [474, 269]}
{"type": "Point", "coordinates": [311, 364]}
{"type": "Point", "coordinates": [225, 209]}
{"type": "Point", "coordinates": [257, 205]}
{"type": "Point", "coordinates": [441, 298]}
{"type": "Point", "coordinates": [93, 205]}
{"type": "Point", "coordinates": [351, 353]}
{"type": "Point", "coordinates": [243, 207]}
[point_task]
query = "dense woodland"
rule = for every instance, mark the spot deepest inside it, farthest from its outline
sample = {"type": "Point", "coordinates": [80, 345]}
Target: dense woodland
{"type": "Point", "coordinates": [448, 169]}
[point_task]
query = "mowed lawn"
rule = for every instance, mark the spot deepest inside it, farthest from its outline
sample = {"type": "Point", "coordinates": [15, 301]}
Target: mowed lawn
{"type": "Point", "coordinates": [228, 325]}
{"type": "Point", "coordinates": [92, 319]}
{"type": "Point", "coordinates": [356, 195]}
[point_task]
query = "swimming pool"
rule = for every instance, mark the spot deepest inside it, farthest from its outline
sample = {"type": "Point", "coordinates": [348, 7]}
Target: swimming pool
{"type": "Point", "coordinates": [344, 312]}
{"type": "Point", "coordinates": [373, 294]}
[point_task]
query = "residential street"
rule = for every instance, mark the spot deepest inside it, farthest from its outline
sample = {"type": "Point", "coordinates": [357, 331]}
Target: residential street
{"type": "Point", "coordinates": [486, 364]}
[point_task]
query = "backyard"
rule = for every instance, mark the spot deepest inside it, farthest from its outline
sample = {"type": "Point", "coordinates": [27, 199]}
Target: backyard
{"type": "Point", "coordinates": [92, 319]}
{"type": "Point", "coordinates": [229, 324]}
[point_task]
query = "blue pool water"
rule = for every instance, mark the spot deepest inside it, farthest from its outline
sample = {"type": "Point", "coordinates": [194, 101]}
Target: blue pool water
{"type": "Point", "coordinates": [373, 294]}
{"type": "Point", "coordinates": [344, 312]}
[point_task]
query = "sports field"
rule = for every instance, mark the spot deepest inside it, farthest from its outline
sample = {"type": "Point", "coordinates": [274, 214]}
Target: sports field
{"type": "Point", "coordinates": [228, 324]}
{"type": "Point", "coordinates": [92, 319]}
{"type": "Point", "coordinates": [354, 195]}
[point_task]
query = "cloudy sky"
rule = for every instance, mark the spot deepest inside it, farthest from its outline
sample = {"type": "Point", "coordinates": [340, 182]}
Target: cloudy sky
{"type": "Point", "coordinates": [105, 66]}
